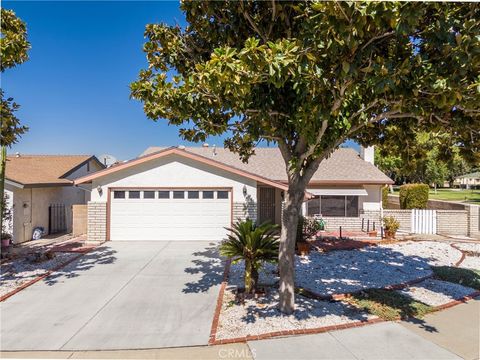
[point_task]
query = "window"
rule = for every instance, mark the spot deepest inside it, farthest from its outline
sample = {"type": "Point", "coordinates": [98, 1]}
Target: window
{"type": "Point", "coordinates": [149, 194]}
{"type": "Point", "coordinates": [222, 194]}
{"type": "Point", "coordinates": [119, 194]}
{"type": "Point", "coordinates": [134, 194]}
{"type": "Point", "coordinates": [330, 205]}
{"type": "Point", "coordinates": [207, 194]}
{"type": "Point", "coordinates": [164, 194]}
{"type": "Point", "coordinates": [179, 194]}
{"type": "Point", "coordinates": [193, 194]}
{"type": "Point", "coordinates": [352, 206]}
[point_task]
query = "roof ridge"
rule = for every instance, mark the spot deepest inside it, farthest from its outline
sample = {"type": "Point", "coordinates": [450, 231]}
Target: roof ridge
{"type": "Point", "coordinates": [50, 155]}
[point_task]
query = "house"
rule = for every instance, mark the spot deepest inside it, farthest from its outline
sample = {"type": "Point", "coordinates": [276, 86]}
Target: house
{"type": "Point", "coordinates": [193, 193]}
{"type": "Point", "coordinates": [468, 181]}
{"type": "Point", "coordinates": [40, 190]}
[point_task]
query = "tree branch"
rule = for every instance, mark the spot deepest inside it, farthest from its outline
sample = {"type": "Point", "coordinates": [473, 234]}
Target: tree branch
{"type": "Point", "coordinates": [379, 37]}
{"type": "Point", "coordinates": [252, 23]}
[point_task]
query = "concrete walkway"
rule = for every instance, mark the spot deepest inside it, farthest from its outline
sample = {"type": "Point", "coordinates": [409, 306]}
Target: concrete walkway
{"type": "Point", "coordinates": [456, 329]}
{"type": "Point", "coordinates": [126, 295]}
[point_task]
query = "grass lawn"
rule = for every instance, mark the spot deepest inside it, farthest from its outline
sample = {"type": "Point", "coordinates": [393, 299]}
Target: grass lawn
{"type": "Point", "coordinates": [465, 277]}
{"type": "Point", "coordinates": [389, 305]}
{"type": "Point", "coordinates": [471, 196]}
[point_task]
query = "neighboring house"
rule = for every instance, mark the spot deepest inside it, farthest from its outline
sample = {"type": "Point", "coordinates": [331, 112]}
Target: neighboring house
{"type": "Point", "coordinates": [41, 191]}
{"type": "Point", "coordinates": [468, 181]}
{"type": "Point", "coordinates": [193, 193]}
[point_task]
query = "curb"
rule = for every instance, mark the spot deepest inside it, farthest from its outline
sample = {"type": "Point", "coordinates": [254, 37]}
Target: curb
{"type": "Point", "coordinates": [41, 277]}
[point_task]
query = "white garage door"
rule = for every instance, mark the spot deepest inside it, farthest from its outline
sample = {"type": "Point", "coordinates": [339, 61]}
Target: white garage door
{"type": "Point", "coordinates": [169, 214]}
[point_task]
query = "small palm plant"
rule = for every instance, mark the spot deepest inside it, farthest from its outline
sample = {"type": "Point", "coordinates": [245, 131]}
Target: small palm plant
{"type": "Point", "coordinates": [255, 244]}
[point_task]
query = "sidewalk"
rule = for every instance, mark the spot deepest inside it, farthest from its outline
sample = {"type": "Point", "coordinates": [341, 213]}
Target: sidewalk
{"type": "Point", "coordinates": [456, 329]}
{"type": "Point", "coordinates": [450, 334]}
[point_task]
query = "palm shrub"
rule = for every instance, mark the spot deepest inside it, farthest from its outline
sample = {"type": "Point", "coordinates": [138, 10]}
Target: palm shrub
{"type": "Point", "coordinates": [255, 244]}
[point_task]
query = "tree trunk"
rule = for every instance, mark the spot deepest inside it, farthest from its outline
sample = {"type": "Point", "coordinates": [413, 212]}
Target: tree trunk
{"type": "Point", "coordinates": [3, 160]}
{"type": "Point", "coordinates": [286, 264]}
{"type": "Point", "coordinates": [248, 277]}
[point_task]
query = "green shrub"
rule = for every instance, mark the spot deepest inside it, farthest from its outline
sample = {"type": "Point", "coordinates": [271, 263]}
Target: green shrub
{"type": "Point", "coordinates": [390, 223]}
{"type": "Point", "coordinates": [385, 191]}
{"type": "Point", "coordinates": [465, 277]}
{"type": "Point", "coordinates": [307, 227]}
{"type": "Point", "coordinates": [389, 305]}
{"type": "Point", "coordinates": [414, 196]}
{"type": "Point", "coordinates": [255, 244]}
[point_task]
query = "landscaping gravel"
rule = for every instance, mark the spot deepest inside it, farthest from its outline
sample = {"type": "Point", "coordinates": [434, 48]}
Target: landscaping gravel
{"type": "Point", "coordinates": [16, 272]}
{"type": "Point", "coordinates": [371, 267]}
{"type": "Point", "coordinates": [261, 316]}
{"type": "Point", "coordinates": [469, 246]}
{"type": "Point", "coordinates": [345, 271]}
{"type": "Point", "coordinates": [471, 262]}
{"type": "Point", "coordinates": [436, 292]}
{"type": "Point", "coordinates": [267, 275]}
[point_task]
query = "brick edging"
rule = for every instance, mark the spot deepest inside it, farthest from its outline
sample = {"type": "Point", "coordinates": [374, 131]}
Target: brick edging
{"type": "Point", "coordinates": [335, 297]}
{"type": "Point", "coordinates": [218, 308]}
{"type": "Point", "coordinates": [41, 277]}
{"type": "Point", "coordinates": [297, 332]}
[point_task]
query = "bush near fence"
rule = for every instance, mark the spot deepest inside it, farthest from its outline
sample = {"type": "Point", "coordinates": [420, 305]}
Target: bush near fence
{"type": "Point", "coordinates": [414, 196]}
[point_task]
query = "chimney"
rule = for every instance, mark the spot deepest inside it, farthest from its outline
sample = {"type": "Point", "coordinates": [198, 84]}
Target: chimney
{"type": "Point", "coordinates": [205, 145]}
{"type": "Point", "coordinates": [214, 150]}
{"type": "Point", "coordinates": [368, 154]}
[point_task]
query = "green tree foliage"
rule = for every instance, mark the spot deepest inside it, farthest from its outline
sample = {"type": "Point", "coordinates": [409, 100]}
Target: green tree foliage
{"type": "Point", "coordinates": [414, 196]}
{"type": "Point", "coordinates": [13, 51]}
{"type": "Point", "coordinates": [429, 158]}
{"type": "Point", "coordinates": [254, 245]}
{"type": "Point", "coordinates": [385, 192]}
{"type": "Point", "coordinates": [309, 75]}
{"type": "Point", "coordinates": [14, 45]}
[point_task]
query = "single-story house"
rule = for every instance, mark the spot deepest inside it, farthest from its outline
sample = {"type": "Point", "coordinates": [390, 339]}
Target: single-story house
{"type": "Point", "coordinates": [193, 193]}
{"type": "Point", "coordinates": [468, 181]}
{"type": "Point", "coordinates": [40, 190]}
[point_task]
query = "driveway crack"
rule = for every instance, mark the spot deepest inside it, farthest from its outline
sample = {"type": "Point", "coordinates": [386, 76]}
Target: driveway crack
{"type": "Point", "coordinates": [115, 295]}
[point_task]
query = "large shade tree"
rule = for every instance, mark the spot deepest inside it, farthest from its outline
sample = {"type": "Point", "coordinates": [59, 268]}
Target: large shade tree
{"type": "Point", "coordinates": [309, 75]}
{"type": "Point", "coordinates": [14, 48]}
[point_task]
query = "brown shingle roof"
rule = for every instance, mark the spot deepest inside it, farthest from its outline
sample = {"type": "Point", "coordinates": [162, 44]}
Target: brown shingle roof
{"type": "Point", "coordinates": [42, 169]}
{"type": "Point", "coordinates": [343, 166]}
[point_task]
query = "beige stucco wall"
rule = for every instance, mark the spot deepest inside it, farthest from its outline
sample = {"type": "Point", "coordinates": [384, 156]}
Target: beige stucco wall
{"type": "Point", "coordinates": [30, 205]}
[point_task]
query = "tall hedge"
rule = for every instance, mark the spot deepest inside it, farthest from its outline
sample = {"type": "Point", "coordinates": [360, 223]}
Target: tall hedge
{"type": "Point", "coordinates": [414, 196]}
{"type": "Point", "coordinates": [385, 191]}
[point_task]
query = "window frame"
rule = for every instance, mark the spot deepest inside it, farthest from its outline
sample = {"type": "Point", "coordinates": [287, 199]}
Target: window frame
{"type": "Point", "coordinates": [135, 192]}
{"type": "Point", "coordinates": [178, 192]}
{"type": "Point", "coordinates": [165, 192]}
{"type": "Point", "coordinates": [210, 192]}
{"type": "Point", "coordinates": [226, 192]}
{"type": "Point", "coordinates": [189, 192]}
{"type": "Point", "coordinates": [152, 192]}
{"type": "Point", "coordinates": [345, 203]}
{"type": "Point", "coordinates": [115, 192]}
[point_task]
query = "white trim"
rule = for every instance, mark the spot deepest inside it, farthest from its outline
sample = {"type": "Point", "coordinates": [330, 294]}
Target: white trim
{"type": "Point", "coordinates": [13, 183]}
{"type": "Point", "coordinates": [339, 191]}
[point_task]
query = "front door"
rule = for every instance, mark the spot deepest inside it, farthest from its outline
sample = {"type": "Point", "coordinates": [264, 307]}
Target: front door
{"type": "Point", "coordinates": [266, 204]}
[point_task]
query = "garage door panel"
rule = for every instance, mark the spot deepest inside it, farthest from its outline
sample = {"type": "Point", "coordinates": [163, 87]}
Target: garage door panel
{"type": "Point", "coordinates": [169, 219]}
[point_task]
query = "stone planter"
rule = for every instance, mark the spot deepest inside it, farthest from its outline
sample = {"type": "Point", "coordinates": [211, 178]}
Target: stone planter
{"type": "Point", "coordinates": [303, 248]}
{"type": "Point", "coordinates": [372, 233]}
{"type": "Point", "coordinates": [389, 234]}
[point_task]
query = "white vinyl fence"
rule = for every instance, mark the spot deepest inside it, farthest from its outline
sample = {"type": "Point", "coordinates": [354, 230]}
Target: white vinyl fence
{"type": "Point", "coordinates": [424, 221]}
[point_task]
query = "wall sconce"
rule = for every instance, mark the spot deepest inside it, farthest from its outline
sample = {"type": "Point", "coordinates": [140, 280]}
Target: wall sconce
{"type": "Point", "coordinates": [282, 195]}
{"type": "Point", "coordinates": [244, 190]}
{"type": "Point", "coordinates": [99, 189]}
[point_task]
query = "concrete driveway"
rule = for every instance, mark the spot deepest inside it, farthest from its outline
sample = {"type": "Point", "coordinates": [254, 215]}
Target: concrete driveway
{"type": "Point", "coordinates": [125, 295]}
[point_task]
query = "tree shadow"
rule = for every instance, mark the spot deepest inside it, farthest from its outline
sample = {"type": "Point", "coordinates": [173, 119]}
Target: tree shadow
{"type": "Point", "coordinates": [207, 269]}
{"type": "Point", "coordinates": [305, 308]}
{"type": "Point", "coordinates": [352, 271]}
{"type": "Point", "coordinates": [103, 255]}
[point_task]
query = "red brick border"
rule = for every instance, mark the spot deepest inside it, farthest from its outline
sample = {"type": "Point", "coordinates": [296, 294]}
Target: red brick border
{"type": "Point", "coordinates": [218, 308]}
{"type": "Point", "coordinates": [335, 297]}
{"type": "Point", "coordinates": [41, 277]}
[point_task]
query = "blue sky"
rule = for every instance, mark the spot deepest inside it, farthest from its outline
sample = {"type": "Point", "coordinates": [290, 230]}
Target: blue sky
{"type": "Point", "coordinates": [73, 91]}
